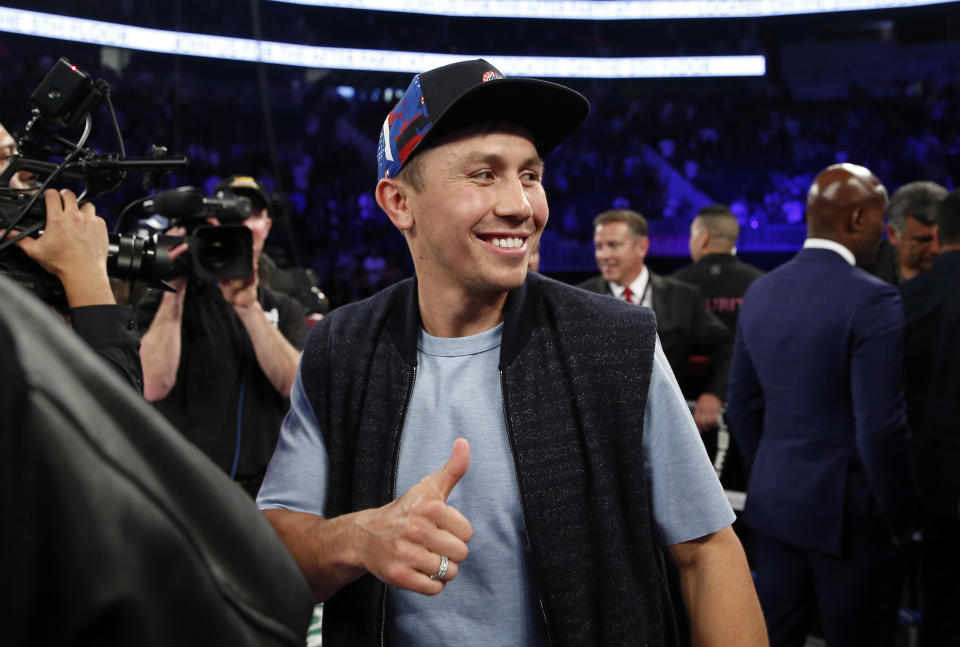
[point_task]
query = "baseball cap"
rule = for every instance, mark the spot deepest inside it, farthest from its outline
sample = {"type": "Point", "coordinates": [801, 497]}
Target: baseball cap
{"type": "Point", "coordinates": [243, 185]}
{"type": "Point", "coordinates": [461, 94]}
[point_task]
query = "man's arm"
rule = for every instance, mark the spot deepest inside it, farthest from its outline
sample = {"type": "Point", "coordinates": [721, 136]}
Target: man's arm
{"type": "Point", "coordinates": [711, 337]}
{"type": "Point", "coordinates": [74, 248]}
{"type": "Point", "coordinates": [277, 357]}
{"type": "Point", "coordinates": [692, 518]}
{"type": "Point", "coordinates": [399, 543]}
{"type": "Point", "coordinates": [161, 345]}
{"type": "Point", "coordinates": [876, 384]}
{"type": "Point", "coordinates": [111, 332]}
{"type": "Point", "coordinates": [745, 401]}
{"type": "Point", "coordinates": [718, 591]}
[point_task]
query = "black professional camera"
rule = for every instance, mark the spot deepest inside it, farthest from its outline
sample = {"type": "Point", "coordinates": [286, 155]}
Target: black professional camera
{"type": "Point", "coordinates": [64, 99]}
{"type": "Point", "coordinates": [223, 251]}
{"type": "Point", "coordinates": [128, 257]}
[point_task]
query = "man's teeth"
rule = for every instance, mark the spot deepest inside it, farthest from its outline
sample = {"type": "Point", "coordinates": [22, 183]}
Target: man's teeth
{"type": "Point", "coordinates": [507, 242]}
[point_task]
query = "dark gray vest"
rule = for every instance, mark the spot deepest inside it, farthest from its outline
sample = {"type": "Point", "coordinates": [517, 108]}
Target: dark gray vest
{"type": "Point", "coordinates": [575, 370]}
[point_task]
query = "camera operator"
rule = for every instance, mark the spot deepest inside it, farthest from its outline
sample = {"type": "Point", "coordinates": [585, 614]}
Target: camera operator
{"type": "Point", "coordinates": [73, 248]}
{"type": "Point", "coordinates": [8, 148]}
{"type": "Point", "coordinates": [220, 358]}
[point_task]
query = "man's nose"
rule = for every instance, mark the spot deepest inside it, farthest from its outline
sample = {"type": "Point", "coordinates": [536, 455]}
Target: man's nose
{"type": "Point", "coordinates": [512, 201]}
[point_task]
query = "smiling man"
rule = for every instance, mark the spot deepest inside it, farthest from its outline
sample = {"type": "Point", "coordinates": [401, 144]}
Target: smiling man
{"type": "Point", "coordinates": [684, 325]}
{"type": "Point", "coordinates": [477, 405]}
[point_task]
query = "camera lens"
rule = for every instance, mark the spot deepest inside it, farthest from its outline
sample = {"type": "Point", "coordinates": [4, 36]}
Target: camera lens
{"type": "Point", "coordinates": [219, 254]}
{"type": "Point", "coordinates": [130, 257]}
{"type": "Point", "coordinates": [222, 252]}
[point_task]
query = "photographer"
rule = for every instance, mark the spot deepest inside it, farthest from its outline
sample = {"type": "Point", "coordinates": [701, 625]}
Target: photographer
{"type": "Point", "coordinates": [220, 358]}
{"type": "Point", "coordinates": [73, 248]}
{"type": "Point", "coordinates": [8, 148]}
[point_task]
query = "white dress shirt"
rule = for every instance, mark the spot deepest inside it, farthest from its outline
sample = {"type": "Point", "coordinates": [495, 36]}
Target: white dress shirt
{"type": "Point", "coordinates": [638, 287]}
{"type": "Point", "coordinates": [823, 243]}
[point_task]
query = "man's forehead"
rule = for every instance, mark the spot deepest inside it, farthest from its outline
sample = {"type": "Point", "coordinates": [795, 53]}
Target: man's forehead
{"type": "Point", "coordinates": [473, 145]}
{"type": "Point", "coordinates": [485, 132]}
{"type": "Point", "coordinates": [612, 229]}
{"type": "Point", "coordinates": [915, 223]}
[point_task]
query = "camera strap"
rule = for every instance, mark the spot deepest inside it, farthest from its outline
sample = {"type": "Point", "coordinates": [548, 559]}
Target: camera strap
{"type": "Point", "coordinates": [244, 360]}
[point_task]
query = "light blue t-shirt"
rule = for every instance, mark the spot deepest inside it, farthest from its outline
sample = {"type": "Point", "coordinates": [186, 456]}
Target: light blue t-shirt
{"type": "Point", "coordinates": [493, 600]}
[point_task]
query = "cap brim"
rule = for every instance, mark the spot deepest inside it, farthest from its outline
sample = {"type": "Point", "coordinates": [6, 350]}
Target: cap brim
{"type": "Point", "coordinates": [243, 191]}
{"type": "Point", "coordinates": [551, 112]}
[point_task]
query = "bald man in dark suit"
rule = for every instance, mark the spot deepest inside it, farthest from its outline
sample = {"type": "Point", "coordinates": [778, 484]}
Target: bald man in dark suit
{"type": "Point", "coordinates": [816, 402]}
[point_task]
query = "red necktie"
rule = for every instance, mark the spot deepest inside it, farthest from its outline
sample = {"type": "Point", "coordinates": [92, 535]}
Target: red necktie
{"type": "Point", "coordinates": [627, 295]}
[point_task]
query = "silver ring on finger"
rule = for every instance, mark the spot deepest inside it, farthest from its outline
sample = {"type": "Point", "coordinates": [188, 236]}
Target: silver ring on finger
{"type": "Point", "coordinates": [442, 571]}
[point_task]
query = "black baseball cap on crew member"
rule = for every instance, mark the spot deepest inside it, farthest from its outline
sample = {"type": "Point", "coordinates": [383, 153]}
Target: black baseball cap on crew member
{"type": "Point", "coordinates": [244, 186]}
{"type": "Point", "coordinates": [461, 94]}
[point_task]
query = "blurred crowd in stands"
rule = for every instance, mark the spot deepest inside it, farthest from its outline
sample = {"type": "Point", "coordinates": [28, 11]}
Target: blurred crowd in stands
{"type": "Point", "coordinates": [664, 153]}
{"type": "Point", "coordinates": [663, 148]}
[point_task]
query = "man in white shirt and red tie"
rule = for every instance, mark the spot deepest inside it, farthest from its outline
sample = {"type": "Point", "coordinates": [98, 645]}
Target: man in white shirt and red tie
{"type": "Point", "coordinates": [685, 327]}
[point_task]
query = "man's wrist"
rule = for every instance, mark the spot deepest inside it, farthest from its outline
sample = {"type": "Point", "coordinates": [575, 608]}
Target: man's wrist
{"type": "Point", "coordinates": [88, 289]}
{"type": "Point", "coordinates": [248, 310]}
{"type": "Point", "coordinates": [355, 536]}
{"type": "Point", "coordinates": [171, 303]}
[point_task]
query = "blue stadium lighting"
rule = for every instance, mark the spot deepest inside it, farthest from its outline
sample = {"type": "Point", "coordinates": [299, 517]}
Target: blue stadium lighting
{"type": "Point", "coordinates": [616, 9]}
{"type": "Point", "coordinates": [31, 23]}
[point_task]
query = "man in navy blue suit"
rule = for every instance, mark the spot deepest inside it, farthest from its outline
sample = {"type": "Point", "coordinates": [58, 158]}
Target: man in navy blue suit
{"type": "Point", "coordinates": [931, 373]}
{"type": "Point", "coordinates": [816, 402]}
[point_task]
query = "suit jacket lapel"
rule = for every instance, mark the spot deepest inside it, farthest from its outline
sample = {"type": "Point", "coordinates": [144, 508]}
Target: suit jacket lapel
{"type": "Point", "coordinates": [659, 294]}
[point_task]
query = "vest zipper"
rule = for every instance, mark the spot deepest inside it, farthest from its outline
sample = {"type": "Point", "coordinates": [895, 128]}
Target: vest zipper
{"type": "Point", "coordinates": [393, 490]}
{"type": "Point", "coordinates": [523, 513]}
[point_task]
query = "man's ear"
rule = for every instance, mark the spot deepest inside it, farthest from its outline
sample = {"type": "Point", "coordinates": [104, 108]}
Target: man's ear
{"type": "Point", "coordinates": [392, 197]}
{"type": "Point", "coordinates": [704, 239]}
{"type": "Point", "coordinates": [893, 236]}
{"type": "Point", "coordinates": [855, 220]}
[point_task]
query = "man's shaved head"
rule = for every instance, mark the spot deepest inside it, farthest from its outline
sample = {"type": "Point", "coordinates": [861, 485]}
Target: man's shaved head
{"type": "Point", "coordinates": [843, 204]}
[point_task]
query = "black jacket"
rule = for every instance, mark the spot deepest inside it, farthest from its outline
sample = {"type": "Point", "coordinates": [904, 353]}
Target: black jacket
{"type": "Point", "coordinates": [580, 467]}
{"type": "Point", "coordinates": [723, 279]}
{"type": "Point", "coordinates": [115, 530]}
{"type": "Point", "coordinates": [931, 381]}
{"type": "Point", "coordinates": [111, 332]}
{"type": "Point", "coordinates": [686, 328]}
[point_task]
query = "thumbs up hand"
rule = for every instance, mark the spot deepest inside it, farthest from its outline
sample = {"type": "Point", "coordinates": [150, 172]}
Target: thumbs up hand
{"type": "Point", "coordinates": [401, 543]}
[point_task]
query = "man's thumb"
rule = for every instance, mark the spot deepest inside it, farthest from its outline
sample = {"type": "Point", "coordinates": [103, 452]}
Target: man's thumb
{"type": "Point", "coordinates": [445, 478]}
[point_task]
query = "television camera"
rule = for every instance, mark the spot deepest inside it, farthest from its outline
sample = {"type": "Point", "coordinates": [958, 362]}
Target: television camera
{"type": "Point", "coordinates": [65, 99]}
